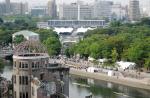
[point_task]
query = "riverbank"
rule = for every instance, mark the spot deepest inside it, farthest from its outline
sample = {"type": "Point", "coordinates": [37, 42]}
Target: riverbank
{"type": "Point", "coordinates": [142, 84]}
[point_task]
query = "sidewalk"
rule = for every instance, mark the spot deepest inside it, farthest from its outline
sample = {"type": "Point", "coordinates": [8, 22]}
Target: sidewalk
{"type": "Point", "coordinates": [143, 84]}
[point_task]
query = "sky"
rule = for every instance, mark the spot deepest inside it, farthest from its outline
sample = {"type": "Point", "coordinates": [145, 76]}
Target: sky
{"type": "Point", "coordinates": [43, 2]}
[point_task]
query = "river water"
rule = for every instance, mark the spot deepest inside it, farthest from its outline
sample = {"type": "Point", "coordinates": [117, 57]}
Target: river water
{"type": "Point", "coordinates": [81, 87]}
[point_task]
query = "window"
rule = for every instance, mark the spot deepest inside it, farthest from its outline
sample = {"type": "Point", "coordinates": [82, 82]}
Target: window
{"type": "Point", "coordinates": [20, 94]}
{"type": "Point", "coordinates": [27, 95]}
{"type": "Point", "coordinates": [41, 76]}
{"type": "Point", "coordinates": [23, 65]}
{"type": "Point", "coordinates": [14, 63]}
{"type": "Point", "coordinates": [20, 65]}
{"type": "Point", "coordinates": [35, 65]}
{"type": "Point", "coordinates": [32, 64]}
{"type": "Point", "coordinates": [26, 65]}
{"type": "Point", "coordinates": [24, 95]}
{"type": "Point", "coordinates": [23, 80]}
{"type": "Point", "coordinates": [20, 80]}
{"type": "Point", "coordinates": [26, 78]}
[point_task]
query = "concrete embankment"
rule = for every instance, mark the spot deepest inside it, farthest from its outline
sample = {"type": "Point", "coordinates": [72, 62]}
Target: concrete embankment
{"type": "Point", "coordinates": [143, 84]}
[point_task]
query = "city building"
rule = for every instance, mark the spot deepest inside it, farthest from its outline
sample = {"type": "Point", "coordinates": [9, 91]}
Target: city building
{"type": "Point", "coordinates": [102, 9]}
{"type": "Point", "coordinates": [42, 25]}
{"type": "Point", "coordinates": [118, 12]}
{"type": "Point", "coordinates": [134, 10]}
{"type": "Point", "coordinates": [19, 8]}
{"type": "Point", "coordinates": [75, 11]}
{"type": "Point", "coordinates": [8, 6]}
{"type": "Point", "coordinates": [2, 8]}
{"type": "Point", "coordinates": [76, 23]}
{"type": "Point", "coordinates": [52, 9]}
{"type": "Point", "coordinates": [35, 75]}
{"type": "Point", "coordinates": [13, 8]}
{"type": "Point", "coordinates": [68, 11]}
{"type": "Point", "coordinates": [39, 11]}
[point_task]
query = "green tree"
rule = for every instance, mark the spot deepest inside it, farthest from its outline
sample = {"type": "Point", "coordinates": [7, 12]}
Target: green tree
{"type": "Point", "coordinates": [136, 53]}
{"type": "Point", "coordinates": [53, 45]}
{"type": "Point", "coordinates": [115, 23]}
{"type": "Point", "coordinates": [18, 39]}
{"type": "Point", "coordinates": [95, 50]}
{"type": "Point", "coordinates": [147, 63]}
{"type": "Point", "coordinates": [114, 55]}
{"type": "Point", "coordinates": [44, 34]}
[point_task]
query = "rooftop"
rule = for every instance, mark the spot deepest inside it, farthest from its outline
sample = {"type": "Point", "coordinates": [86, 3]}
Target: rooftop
{"type": "Point", "coordinates": [63, 30]}
{"type": "Point", "coordinates": [25, 33]}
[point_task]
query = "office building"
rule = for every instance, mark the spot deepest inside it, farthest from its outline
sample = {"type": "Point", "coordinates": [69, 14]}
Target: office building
{"type": "Point", "coordinates": [2, 8]}
{"type": "Point", "coordinates": [76, 23]}
{"type": "Point", "coordinates": [102, 9]}
{"type": "Point", "coordinates": [13, 8]}
{"type": "Point", "coordinates": [75, 11]}
{"type": "Point", "coordinates": [19, 8]}
{"type": "Point", "coordinates": [8, 6]}
{"type": "Point", "coordinates": [134, 10]}
{"type": "Point", "coordinates": [39, 11]}
{"type": "Point", "coordinates": [52, 9]}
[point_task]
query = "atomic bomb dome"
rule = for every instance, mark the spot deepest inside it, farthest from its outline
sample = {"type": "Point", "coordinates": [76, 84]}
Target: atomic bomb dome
{"type": "Point", "coordinates": [34, 76]}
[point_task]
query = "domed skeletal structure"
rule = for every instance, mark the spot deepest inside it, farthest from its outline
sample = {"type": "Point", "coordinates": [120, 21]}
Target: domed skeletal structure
{"type": "Point", "coordinates": [30, 48]}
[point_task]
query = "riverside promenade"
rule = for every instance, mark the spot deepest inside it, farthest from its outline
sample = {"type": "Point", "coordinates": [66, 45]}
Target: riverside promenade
{"type": "Point", "coordinates": [142, 84]}
{"type": "Point", "coordinates": [79, 69]}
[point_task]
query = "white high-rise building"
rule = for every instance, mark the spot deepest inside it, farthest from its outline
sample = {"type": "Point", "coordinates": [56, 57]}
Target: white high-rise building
{"type": "Point", "coordinates": [75, 11]}
{"type": "Point", "coordinates": [8, 6]}
{"type": "Point", "coordinates": [52, 9]}
{"type": "Point", "coordinates": [134, 10]}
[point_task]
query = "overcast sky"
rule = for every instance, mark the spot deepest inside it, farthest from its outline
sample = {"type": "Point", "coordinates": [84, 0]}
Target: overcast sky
{"type": "Point", "coordinates": [43, 2]}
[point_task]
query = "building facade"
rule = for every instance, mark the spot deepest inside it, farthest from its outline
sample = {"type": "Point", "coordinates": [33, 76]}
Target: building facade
{"type": "Point", "coordinates": [28, 35]}
{"type": "Point", "coordinates": [12, 8]}
{"type": "Point", "coordinates": [39, 11]}
{"type": "Point", "coordinates": [8, 6]}
{"type": "Point", "coordinates": [52, 9]}
{"type": "Point", "coordinates": [76, 23]}
{"type": "Point", "coordinates": [102, 9]}
{"type": "Point", "coordinates": [34, 76]}
{"type": "Point", "coordinates": [134, 10]}
{"type": "Point", "coordinates": [2, 8]}
{"type": "Point", "coordinates": [75, 11]}
{"type": "Point", "coordinates": [19, 8]}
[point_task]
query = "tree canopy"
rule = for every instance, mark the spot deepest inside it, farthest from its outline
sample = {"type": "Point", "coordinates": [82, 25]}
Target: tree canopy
{"type": "Point", "coordinates": [121, 42]}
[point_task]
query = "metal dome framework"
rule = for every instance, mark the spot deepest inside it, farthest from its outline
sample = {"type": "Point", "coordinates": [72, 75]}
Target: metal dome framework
{"type": "Point", "coordinates": [30, 48]}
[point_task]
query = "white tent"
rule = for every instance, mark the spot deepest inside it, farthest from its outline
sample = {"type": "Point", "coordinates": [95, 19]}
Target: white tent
{"type": "Point", "coordinates": [110, 73]}
{"type": "Point", "coordinates": [124, 65]}
{"type": "Point", "coordinates": [91, 69]}
{"type": "Point", "coordinates": [83, 30]}
{"type": "Point", "coordinates": [63, 30]}
{"type": "Point", "coordinates": [101, 61]}
{"type": "Point", "coordinates": [90, 59]}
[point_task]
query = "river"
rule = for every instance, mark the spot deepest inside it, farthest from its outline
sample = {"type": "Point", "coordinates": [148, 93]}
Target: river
{"type": "Point", "coordinates": [81, 87]}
